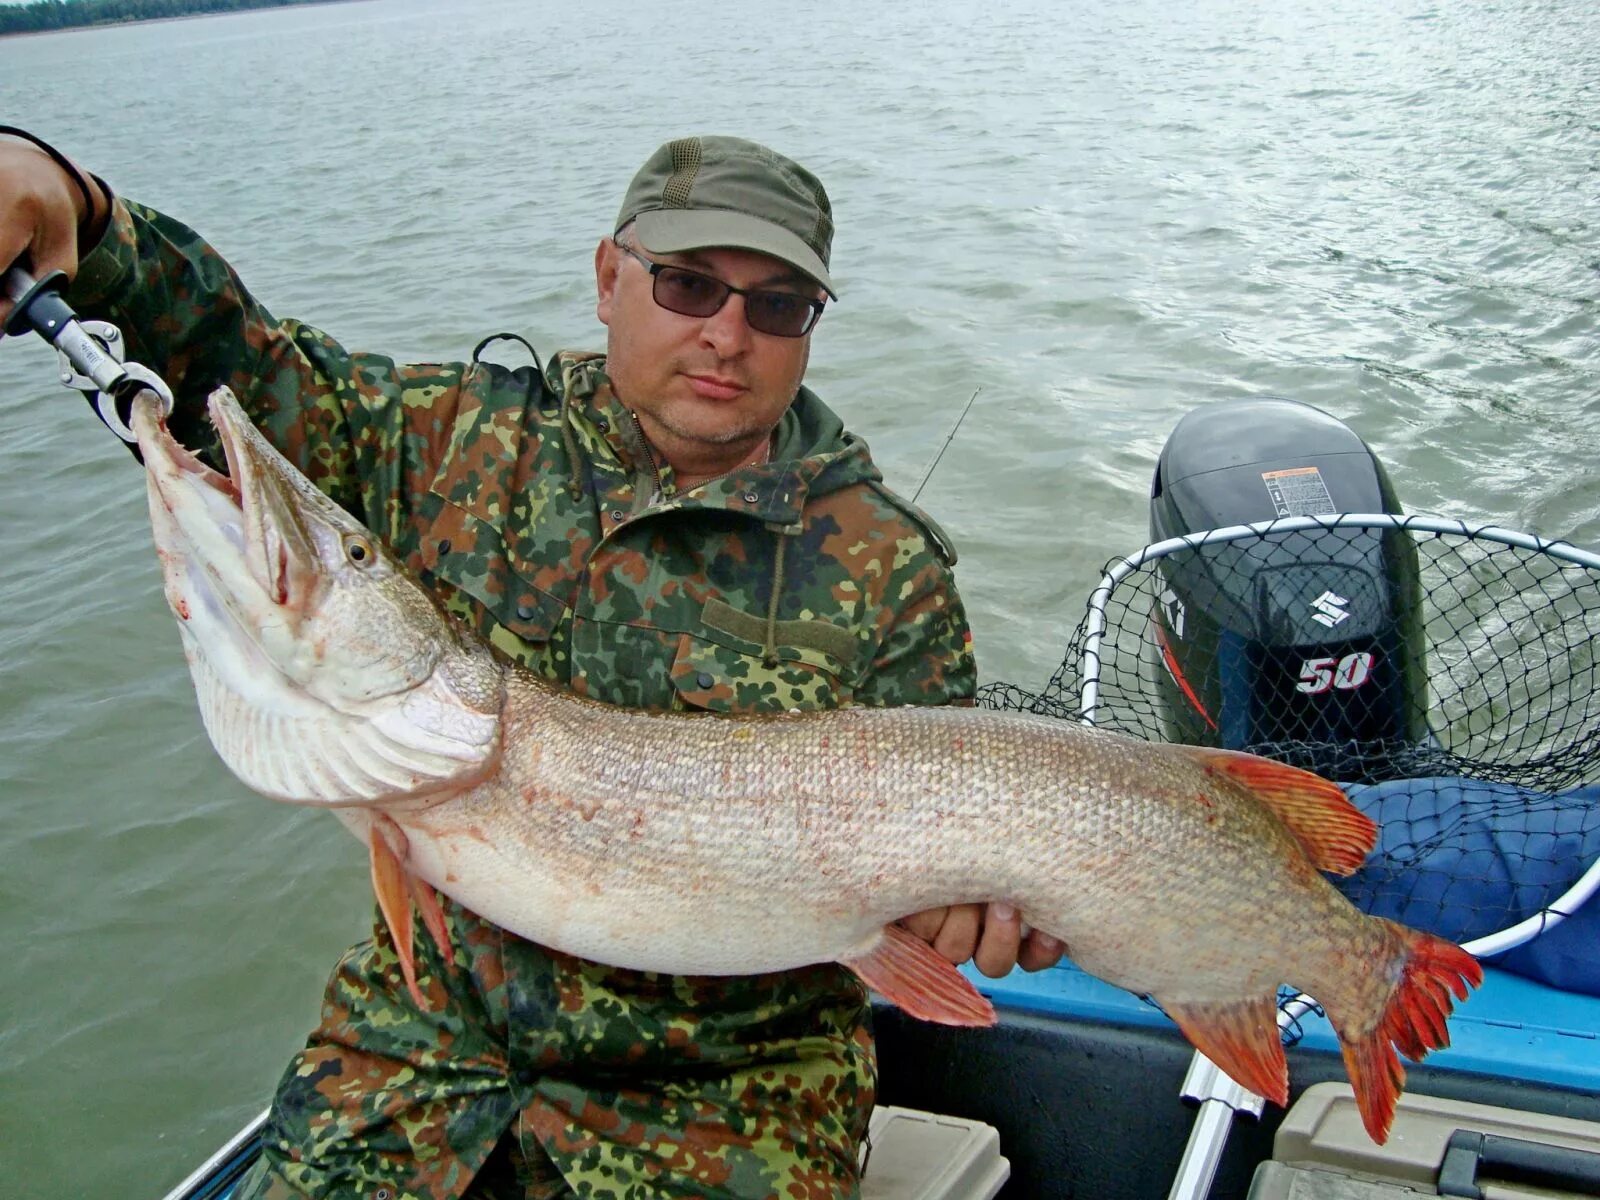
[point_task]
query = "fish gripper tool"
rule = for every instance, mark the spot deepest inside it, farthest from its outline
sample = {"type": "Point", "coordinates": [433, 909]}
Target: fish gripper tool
{"type": "Point", "coordinates": [91, 352]}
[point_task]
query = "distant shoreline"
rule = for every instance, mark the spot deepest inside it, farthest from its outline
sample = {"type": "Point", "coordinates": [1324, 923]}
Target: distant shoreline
{"type": "Point", "coordinates": [189, 16]}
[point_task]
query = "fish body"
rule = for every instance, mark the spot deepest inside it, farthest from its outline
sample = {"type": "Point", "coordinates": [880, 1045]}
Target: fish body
{"type": "Point", "coordinates": [708, 846]}
{"type": "Point", "coordinates": [698, 844]}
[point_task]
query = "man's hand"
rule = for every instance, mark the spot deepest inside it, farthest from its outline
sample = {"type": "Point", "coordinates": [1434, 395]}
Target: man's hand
{"type": "Point", "coordinates": [41, 209]}
{"type": "Point", "coordinates": [989, 934]}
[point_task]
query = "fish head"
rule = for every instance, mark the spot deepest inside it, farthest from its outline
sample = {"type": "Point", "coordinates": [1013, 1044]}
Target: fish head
{"type": "Point", "coordinates": [325, 673]}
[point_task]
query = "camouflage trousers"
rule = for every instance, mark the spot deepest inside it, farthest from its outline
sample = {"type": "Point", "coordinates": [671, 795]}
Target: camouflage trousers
{"type": "Point", "coordinates": [535, 1074]}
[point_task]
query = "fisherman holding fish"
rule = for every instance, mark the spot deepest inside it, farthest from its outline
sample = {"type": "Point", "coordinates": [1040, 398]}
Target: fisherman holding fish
{"type": "Point", "coordinates": [676, 524]}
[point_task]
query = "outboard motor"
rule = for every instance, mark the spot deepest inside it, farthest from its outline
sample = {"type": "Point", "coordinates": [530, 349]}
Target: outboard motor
{"type": "Point", "coordinates": [1304, 646]}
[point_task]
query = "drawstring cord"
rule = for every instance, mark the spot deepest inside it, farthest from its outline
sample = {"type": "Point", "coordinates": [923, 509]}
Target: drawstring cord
{"type": "Point", "coordinates": [569, 437]}
{"type": "Point", "coordinates": [769, 654]}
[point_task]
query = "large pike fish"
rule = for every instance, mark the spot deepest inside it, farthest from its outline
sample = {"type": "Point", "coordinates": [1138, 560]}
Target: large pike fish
{"type": "Point", "coordinates": [712, 845]}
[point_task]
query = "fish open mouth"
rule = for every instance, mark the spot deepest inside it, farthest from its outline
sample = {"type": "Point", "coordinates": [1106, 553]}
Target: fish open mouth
{"type": "Point", "coordinates": [242, 510]}
{"type": "Point", "coordinates": [169, 459]}
{"type": "Point", "coordinates": [323, 676]}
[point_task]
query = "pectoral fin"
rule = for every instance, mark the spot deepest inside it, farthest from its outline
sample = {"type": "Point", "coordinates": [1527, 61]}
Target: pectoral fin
{"type": "Point", "coordinates": [391, 882]}
{"type": "Point", "coordinates": [907, 971]}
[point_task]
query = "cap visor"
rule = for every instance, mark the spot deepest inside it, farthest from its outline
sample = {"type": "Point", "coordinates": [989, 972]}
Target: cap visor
{"type": "Point", "coordinates": [670, 231]}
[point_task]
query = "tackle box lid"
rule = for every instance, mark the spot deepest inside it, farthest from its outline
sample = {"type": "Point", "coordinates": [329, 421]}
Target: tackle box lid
{"type": "Point", "coordinates": [928, 1156]}
{"type": "Point", "coordinates": [1436, 1147]}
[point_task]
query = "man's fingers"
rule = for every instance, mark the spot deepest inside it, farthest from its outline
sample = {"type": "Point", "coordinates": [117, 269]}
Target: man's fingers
{"type": "Point", "coordinates": [1002, 935]}
{"type": "Point", "coordinates": [989, 935]}
{"type": "Point", "coordinates": [926, 924]}
{"type": "Point", "coordinates": [43, 255]}
{"type": "Point", "coordinates": [15, 238]}
{"type": "Point", "coordinates": [1039, 951]}
{"type": "Point", "coordinates": [958, 937]}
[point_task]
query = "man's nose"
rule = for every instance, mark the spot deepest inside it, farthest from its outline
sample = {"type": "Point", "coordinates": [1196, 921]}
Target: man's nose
{"type": "Point", "coordinates": [726, 331]}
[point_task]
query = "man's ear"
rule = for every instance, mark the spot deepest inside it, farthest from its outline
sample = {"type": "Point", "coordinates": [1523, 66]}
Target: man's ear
{"type": "Point", "coordinates": [607, 265]}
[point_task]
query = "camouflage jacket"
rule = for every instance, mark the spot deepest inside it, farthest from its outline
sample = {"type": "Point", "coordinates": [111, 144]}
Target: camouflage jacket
{"type": "Point", "coordinates": [531, 504]}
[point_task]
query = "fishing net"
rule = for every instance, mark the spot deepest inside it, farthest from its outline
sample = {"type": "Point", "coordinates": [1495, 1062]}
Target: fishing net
{"type": "Point", "coordinates": [1444, 674]}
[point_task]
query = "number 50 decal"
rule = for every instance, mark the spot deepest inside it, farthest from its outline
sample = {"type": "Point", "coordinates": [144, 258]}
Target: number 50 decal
{"type": "Point", "coordinates": [1318, 675]}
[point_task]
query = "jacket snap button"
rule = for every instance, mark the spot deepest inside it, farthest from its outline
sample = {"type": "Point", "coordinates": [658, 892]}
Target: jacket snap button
{"type": "Point", "coordinates": [525, 612]}
{"type": "Point", "coordinates": [751, 497]}
{"type": "Point", "coordinates": [616, 514]}
{"type": "Point", "coordinates": [444, 546]}
{"type": "Point", "coordinates": [605, 425]}
{"type": "Point", "coordinates": [704, 679]}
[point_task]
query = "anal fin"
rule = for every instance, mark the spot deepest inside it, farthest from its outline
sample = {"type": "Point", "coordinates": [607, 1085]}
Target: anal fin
{"type": "Point", "coordinates": [910, 973]}
{"type": "Point", "coordinates": [1242, 1038]}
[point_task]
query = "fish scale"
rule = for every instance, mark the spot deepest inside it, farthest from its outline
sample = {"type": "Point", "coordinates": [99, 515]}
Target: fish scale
{"type": "Point", "coordinates": [701, 844]}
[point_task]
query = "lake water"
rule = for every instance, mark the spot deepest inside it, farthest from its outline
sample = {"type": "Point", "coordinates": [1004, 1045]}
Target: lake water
{"type": "Point", "coordinates": [1099, 215]}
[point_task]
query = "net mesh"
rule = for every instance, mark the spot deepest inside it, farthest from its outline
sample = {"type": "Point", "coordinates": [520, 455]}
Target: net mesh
{"type": "Point", "coordinates": [1446, 676]}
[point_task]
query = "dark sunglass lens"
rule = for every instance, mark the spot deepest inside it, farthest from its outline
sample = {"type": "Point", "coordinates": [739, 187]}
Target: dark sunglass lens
{"type": "Point", "coordinates": [778, 313]}
{"type": "Point", "coordinates": [689, 292]}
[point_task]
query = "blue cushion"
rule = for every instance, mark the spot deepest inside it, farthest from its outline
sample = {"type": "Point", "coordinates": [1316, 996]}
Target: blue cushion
{"type": "Point", "coordinates": [1463, 858]}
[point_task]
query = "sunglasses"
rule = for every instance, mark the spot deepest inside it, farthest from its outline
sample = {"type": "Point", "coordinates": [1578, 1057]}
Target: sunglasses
{"type": "Point", "coordinates": [693, 294]}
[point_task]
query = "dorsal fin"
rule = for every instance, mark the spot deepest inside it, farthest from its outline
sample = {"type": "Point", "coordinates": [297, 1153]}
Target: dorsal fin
{"type": "Point", "coordinates": [1335, 834]}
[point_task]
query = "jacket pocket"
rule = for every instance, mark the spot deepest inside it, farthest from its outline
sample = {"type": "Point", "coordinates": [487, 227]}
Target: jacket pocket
{"type": "Point", "coordinates": [725, 674]}
{"type": "Point", "coordinates": [469, 555]}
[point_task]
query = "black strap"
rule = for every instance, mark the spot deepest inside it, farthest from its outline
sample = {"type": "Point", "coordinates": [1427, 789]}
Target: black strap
{"type": "Point", "coordinates": [67, 165]}
{"type": "Point", "coordinates": [477, 351]}
{"type": "Point", "coordinates": [536, 386]}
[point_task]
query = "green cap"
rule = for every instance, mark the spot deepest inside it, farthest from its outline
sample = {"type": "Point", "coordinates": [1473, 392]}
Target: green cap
{"type": "Point", "coordinates": [709, 192]}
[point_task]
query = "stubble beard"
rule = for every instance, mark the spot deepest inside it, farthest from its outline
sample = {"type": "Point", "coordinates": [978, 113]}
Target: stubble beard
{"type": "Point", "coordinates": [674, 425]}
{"type": "Point", "coordinates": [689, 431]}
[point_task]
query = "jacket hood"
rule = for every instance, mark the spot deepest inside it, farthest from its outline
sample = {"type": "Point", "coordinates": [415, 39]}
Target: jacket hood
{"type": "Point", "coordinates": [811, 436]}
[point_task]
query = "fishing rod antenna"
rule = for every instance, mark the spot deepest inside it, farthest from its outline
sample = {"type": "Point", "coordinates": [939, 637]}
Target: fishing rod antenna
{"type": "Point", "coordinates": [949, 437]}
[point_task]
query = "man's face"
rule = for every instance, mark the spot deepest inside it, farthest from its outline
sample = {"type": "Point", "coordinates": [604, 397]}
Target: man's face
{"type": "Point", "coordinates": [704, 388]}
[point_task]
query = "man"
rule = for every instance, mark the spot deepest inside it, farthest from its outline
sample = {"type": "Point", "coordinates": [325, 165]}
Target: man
{"type": "Point", "coordinates": [677, 523]}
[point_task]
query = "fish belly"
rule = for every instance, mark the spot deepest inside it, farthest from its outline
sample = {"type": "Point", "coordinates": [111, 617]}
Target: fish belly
{"type": "Point", "coordinates": [649, 907]}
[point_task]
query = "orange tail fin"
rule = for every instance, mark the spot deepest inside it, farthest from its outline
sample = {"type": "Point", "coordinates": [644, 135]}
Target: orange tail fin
{"type": "Point", "coordinates": [1413, 1020]}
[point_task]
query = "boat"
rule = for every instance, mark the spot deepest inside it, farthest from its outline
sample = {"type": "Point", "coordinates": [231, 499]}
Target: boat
{"type": "Point", "coordinates": [1445, 673]}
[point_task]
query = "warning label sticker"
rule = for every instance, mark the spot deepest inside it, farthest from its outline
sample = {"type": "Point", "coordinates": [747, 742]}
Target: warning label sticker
{"type": "Point", "coordinates": [1298, 492]}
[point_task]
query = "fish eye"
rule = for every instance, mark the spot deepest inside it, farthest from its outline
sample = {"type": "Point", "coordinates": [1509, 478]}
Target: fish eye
{"type": "Point", "coordinates": [359, 550]}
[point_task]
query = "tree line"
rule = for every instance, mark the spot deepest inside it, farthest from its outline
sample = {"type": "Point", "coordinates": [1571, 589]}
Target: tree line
{"type": "Point", "coordinates": [66, 14]}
